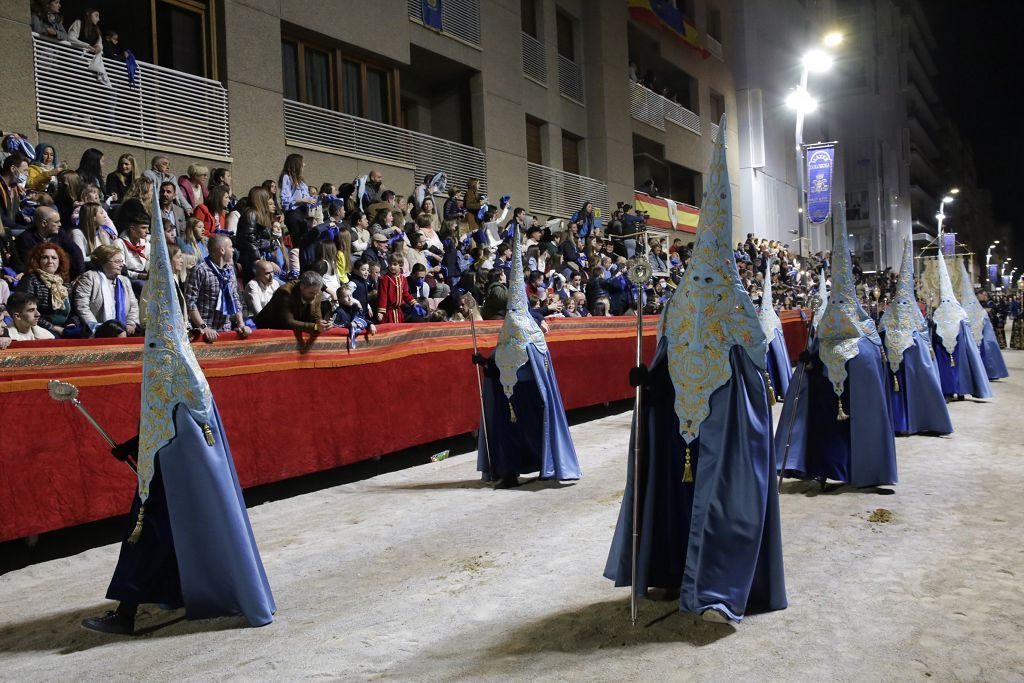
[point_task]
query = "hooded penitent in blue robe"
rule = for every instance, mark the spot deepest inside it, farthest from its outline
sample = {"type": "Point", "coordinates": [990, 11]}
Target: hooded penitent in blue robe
{"type": "Point", "coordinates": [914, 388]}
{"type": "Point", "coordinates": [709, 508]}
{"type": "Point", "coordinates": [961, 370]}
{"type": "Point", "coordinates": [191, 544]}
{"type": "Point", "coordinates": [847, 372]}
{"type": "Point", "coordinates": [981, 328]}
{"type": "Point", "coordinates": [526, 428]}
{"type": "Point", "coordinates": [780, 370]}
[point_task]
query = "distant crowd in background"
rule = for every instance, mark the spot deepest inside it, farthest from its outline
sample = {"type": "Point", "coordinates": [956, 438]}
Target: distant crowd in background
{"type": "Point", "coordinates": [306, 256]}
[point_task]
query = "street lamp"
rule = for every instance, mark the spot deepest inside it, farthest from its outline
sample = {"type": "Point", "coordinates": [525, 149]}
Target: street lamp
{"type": "Point", "coordinates": [818, 61]}
{"type": "Point", "coordinates": [946, 199]}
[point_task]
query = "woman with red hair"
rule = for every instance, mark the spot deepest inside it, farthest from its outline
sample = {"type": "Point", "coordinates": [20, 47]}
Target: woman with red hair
{"type": "Point", "coordinates": [46, 279]}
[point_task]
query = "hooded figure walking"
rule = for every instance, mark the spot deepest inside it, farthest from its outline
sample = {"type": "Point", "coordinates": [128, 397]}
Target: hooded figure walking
{"type": "Point", "coordinates": [526, 429]}
{"type": "Point", "coordinates": [914, 388]}
{"type": "Point", "coordinates": [981, 328]}
{"type": "Point", "coordinates": [845, 370]}
{"type": "Point", "coordinates": [708, 501]}
{"type": "Point", "coordinates": [961, 369]}
{"type": "Point", "coordinates": [190, 543]}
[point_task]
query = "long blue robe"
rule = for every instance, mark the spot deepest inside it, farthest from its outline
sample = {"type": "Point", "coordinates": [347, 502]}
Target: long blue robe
{"type": "Point", "coordinates": [780, 370]}
{"type": "Point", "coordinates": [539, 440]}
{"type": "Point", "coordinates": [196, 535]}
{"type": "Point", "coordinates": [919, 405]}
{"type": "Point", "coordinates": [968, 375]}
{"type": "Point", "coordinates": [860, 451]}
{"type": "Point", "coordinates": [718, 539]}
{"type": "Point", "coordinates": [991, 355]}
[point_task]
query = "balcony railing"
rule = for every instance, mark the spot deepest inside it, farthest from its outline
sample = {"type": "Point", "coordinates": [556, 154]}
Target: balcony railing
{"type": "Point", "coordinates": [460, 19]}
{"type": "Point", "coordinates": [570, 79]}
{"type": "Point", "coordinates": [714, 47]}
{"type": "Point", "coordinates": [535, 62]}
{"type": "Point", "coordinates": [653, 109]}
{"type": "Point", "coordinates": [163, 109]}
{"type": "Point", "coordinates": [559, 193]}
{"type": "Point", "coordinates": [337, 133]}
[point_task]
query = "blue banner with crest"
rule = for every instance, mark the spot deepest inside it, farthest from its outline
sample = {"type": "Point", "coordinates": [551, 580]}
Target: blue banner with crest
{"type": "Point", "coordinates": [993, 273]}
{"type": "Point", "coordinates": [820, 162]}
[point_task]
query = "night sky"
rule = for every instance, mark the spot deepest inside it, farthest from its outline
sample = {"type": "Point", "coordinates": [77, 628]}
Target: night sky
{"type": "Point", "coordinates": [979, 56]}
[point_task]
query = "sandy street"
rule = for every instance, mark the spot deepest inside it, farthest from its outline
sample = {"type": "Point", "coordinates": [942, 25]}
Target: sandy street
{"type": "Point", "coordinates": [424, 574]}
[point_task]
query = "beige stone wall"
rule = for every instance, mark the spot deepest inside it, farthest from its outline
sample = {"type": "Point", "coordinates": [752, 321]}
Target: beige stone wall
{"type": "Point", "coordinates": [500, 96]}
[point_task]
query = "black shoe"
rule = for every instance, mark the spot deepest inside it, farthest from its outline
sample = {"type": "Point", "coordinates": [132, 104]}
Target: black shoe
{"type": "Point", "coordinates": [111, 622]}
{"type": "Point", "coordinates": [508, 482]}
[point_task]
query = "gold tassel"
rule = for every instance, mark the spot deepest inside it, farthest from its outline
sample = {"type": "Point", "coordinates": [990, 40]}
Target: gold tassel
{"type": "Point", "coordinates": [687, 470]}
{"type": "Point", "coordinates": [137, 531]}
{"type": "Point", "coordinates": [952, 361]}
{"type": "Point", "coordinates": [842, 416]}
{"type": "Point", "coordinates": [547, 364]}
{"type": "Point", "coordinates": [772, 400]}
{"type": "Point", "coordinates": [895, 383]}
{"type": "Point", "coordinates": [208, 433]}
{"type": "Point", "coordinates": [511, 412]}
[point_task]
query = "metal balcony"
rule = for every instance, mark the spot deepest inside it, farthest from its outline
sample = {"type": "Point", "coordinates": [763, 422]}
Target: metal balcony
{"type": "Point", "coordinates": [336, 133]}
{"type": "Point", "coordinates": [535, 62]}
{"type": "Point", "coordinates": [570, 79]}
{"type": "Point", "coordinates": [651, 108]}
{"type": "Point", "coordinates": [460, 19]}
{"type": "Point", "coordinates": [161, 108]}
{"type": "Point", "coordinates": [559, 193]}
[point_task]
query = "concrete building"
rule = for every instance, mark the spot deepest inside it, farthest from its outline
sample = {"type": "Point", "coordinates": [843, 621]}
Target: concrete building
{"type": "Point", "coordinates": [530, 96]}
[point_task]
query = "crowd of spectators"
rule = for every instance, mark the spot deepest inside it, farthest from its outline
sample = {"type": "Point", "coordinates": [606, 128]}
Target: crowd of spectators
{"type": "Point", "coordinates": [294, 254]}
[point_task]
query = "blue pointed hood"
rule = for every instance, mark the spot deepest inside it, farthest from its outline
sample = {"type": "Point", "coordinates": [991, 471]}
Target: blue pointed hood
{"type": "Point", "coordinates": [170, 372]}
{"type": "Point", "coordinates": [976, 314]}
{"type": "Point", "coordinates": [766, 314]}
{"type": "Point", "coordinates": [710, 312]}
{"type": "Point", "coordinates": [519, 329]}
{"type": "Point", "coordinates": [903, 317]}
{"type": "Point", "coordinates": [949, 313]}
{"type": "Point", "coordinates": [844, 322]}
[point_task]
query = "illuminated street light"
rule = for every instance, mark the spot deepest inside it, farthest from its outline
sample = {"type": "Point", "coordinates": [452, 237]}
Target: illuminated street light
{"type": "Point", "coordinates": [817, 61]}
{"type": "Point", "coordinates": [832, 39]}
{"type": "Point", "coordinates": [801, 101]}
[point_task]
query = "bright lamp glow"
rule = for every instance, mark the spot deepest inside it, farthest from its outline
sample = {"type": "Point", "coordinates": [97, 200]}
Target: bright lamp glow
{"type": "Point", "coordinates": [996, 242]}
{"type": "Point", "coordinates": [832, 39]}
{"type": "Point", "coordinates": [955, 190]}
{"type": "Point", "coordinates": [817, 60]}
{"type": "Point", "coordinates": [800, 100]}
{"type": "Point", "coordinates": [940, 216]}
{"type": "Point", "coordinates": [947, 199]}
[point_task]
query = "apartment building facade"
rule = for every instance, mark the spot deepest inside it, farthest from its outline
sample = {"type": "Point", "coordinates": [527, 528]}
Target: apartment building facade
{"type": "Point", "coordinates": [531, 96]}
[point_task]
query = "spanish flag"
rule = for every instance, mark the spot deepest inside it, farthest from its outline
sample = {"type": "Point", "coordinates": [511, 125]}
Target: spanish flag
{"type": "Point", "coordinates": [664, 15]}
{"type": "Point", "coordinates": [667, 214]}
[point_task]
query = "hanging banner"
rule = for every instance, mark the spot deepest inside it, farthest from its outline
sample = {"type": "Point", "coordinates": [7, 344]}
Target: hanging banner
{"type": "Point", "coordinates": [664, 15]}
{"type": "Point", "coordinates": [820, 162]}
{"type": "Point", "coordinates": [667, 214]}
{"type": "Point", "coordinates": [949, 243]}
{"type": "Point", "coordinates": [993, 274]}
{"type": "Point", "coordinates": [432, 14]}
{"type": "Point", "coordinates": [1006, 281]}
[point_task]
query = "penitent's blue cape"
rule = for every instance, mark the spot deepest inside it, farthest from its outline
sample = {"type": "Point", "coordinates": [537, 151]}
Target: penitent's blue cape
{"type": "Point", "coordinates": [981, 328]}
{"type": "Point", "coordinates": [914, 389]}
{"type": "Point", "coordinates": [526, 427]}
{"type": "Point", "coordinates": [189, 513]}
{"type": "Point", "coordinates": [715, 539]}
{"type": "Point", "coordinates": [816, 439]}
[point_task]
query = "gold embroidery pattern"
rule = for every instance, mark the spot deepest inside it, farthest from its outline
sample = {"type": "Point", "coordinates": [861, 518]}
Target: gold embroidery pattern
{"type": "Point", "coordinates": [903, 316]}
{"type": "Point", "coordinates": [710, 312]}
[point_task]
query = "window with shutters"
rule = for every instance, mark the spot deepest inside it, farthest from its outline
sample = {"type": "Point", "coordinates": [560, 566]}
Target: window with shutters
{"type": "Point", "coordinates": [533, 144]}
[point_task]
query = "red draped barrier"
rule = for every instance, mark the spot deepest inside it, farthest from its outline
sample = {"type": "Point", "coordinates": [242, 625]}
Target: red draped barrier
{"type": "Point", "coordinates": [795, 329]}
{"type": "Point", "coordinates": [286, 413]}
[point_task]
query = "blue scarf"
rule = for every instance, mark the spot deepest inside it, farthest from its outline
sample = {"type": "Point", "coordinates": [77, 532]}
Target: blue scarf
{"type": "Point", "coordinates": [120, 308]}
{"type": "Point", "coordinates": [225, 302]}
